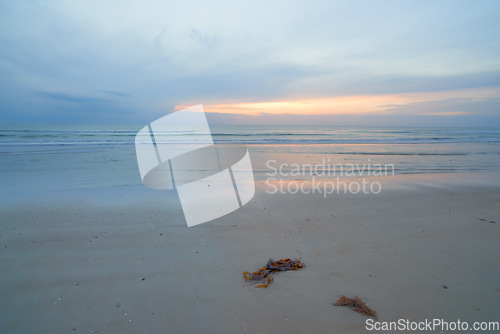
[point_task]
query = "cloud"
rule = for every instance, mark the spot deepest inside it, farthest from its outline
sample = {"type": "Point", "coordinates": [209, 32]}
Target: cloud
{"type": "Point", "coordinates": [72, 98]}
{"type": "Point", "coordinates": [450, 107]}
{"type": "Point", "coordinates": [446, 113]}
{"type": "Point", "coordinates": [206, 38]}
{"type": "Point", "coordinates": [162, 54]}
{"type": "Point", "coordinates": [120, 94]}
{"type": "Point", "coordinates": [402, 103]}
{"type": "Point", "coordinates": [45, 107]}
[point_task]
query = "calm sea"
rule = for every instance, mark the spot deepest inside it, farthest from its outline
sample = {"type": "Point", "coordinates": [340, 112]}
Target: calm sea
{"type": "Point", "coordinates": [80, 156]}
{"type": "Point", "coordinates": [93, 135]}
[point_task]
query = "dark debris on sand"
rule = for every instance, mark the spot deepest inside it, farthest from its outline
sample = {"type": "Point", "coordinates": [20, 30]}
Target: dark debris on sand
{"type": "Point", "coordinates": [356, 304]}
{"type": "Point", "coordinates": [264, 274]}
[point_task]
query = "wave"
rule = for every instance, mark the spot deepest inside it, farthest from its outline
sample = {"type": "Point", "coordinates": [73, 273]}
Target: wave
{"type": "Point", "coordinates": [403, 153]}
{"type": "Point", "coordinates": [291, 135]}
{"type": "Point", "coordinates": [361, 141]}
{"type": "Point", "coordinates": [253, 142]}
{"type": "Point", "coordinates": [64, 143]}
{"type": "Point", "coordinates": [269, 134]}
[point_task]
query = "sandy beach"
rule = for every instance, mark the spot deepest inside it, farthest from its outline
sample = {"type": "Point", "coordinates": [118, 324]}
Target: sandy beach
{"type": "Point", "coordinates": [121, 259]}
{"type": "Point", "coordinates": [284, 167]}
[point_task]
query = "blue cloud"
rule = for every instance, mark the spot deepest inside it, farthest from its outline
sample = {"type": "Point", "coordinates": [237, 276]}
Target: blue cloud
{"type": "Point", "coordinates": [120, 94]}
{"type": "Point", "coordinates": [72, 98]}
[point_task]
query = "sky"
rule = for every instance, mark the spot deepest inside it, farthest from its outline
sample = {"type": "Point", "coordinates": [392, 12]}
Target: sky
{"type": "Point", "coordinates": [398, 63]}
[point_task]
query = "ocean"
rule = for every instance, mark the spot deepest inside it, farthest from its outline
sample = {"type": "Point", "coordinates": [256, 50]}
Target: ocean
{"type": "Point", "coordinates": [51, 157]}
{"type": "Point", "coordinates": [94, 135]}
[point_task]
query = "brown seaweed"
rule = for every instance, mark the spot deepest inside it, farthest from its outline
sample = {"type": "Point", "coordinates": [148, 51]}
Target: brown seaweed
{"type": "Point", "coordinates": [356, 304]}
{"type": "Point", "coordinates": [264, 274]}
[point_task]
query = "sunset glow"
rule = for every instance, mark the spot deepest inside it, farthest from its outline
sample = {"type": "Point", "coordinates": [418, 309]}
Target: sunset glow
{"type": "Point", "coordinates": [349, 63]}
{"type": "Point", "coordinates": [356, 104]}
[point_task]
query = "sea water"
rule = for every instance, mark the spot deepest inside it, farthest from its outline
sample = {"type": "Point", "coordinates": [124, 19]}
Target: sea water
{"type": "Point", "coordinates": [41, 157]}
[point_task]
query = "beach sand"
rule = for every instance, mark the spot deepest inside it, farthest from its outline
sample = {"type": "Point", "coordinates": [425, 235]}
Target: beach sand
{"type": "Point", "coordinates": [121, 259]}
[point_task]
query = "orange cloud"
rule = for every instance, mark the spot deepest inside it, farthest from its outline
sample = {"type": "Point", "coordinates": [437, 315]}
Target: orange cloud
{"type": "Point", "coordinates": [357, 104]}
